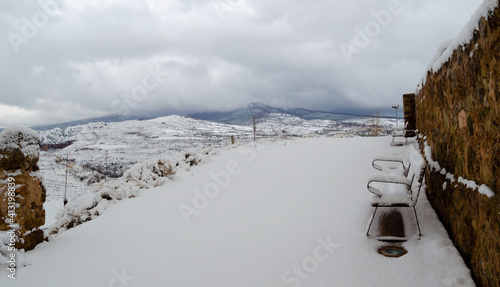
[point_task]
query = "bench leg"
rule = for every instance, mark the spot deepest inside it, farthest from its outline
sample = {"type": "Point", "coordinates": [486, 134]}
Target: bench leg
{"type": "Point", "coordinates": [371, 221]}
{"type": "Point", "coordinates": [418, 225]}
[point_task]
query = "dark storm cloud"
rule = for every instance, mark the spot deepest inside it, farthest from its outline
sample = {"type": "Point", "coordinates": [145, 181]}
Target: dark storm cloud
{"type": "Point", "coordinates": [64, 60]}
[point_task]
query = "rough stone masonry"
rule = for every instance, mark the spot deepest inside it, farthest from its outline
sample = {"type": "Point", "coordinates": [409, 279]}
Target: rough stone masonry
{"type": "Point", "coordinates": [458, 112]}
{"type": "Point", "coordinates": [22, 193]}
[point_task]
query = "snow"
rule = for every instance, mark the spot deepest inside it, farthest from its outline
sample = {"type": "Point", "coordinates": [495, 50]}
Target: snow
{"type": "Point", "coordinates": [386, 177]}
{"type": "Point", "coordinates": [143, 175]}
{"type": "Point", "coordinates": [24, 139]}
{"type": "Point", "coordinates": [439, 53]}
{"type": "Point", "coordinates": [469, 183]}
{"type": "Point", "coordinates": [282, 213]}
{"type": "Point", "coordinates": [450, 177]}
{"type": "Point", "coordinates": [428, 157]}
{"type": "Point", "coordinates": [484, 189]}
{"type": "Point", "coordinates": [112, 148]}
{"type": "Point", "coordinates": [446, 49]}
{"type": "Point", "coordinates": [465, 36]}
{"type": "Point", "coordinates": [416, 160]}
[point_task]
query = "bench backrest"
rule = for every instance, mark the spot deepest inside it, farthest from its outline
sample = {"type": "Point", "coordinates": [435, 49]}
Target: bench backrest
{"type": "Point", "coordinates": [418, 165]}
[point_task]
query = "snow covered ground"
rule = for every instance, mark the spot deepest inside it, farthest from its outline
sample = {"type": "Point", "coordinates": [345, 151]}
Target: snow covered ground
{"type": "Point", "coordinates": [283, 213]}
{"type": "Point", "coordinates": [107, 148]}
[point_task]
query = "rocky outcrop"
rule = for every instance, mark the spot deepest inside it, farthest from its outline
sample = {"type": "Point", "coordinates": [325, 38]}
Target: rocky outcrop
{"type": "Point", "coordinates": [458, 112]}
{"type": "Point", "coordinates": [46, 147]}
{"type": "Point", "coordinates": [21, 191]}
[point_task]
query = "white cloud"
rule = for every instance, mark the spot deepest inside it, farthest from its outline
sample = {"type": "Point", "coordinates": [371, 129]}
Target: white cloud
{"type": "Point", "coordinates": [12, 115]}
{"type": "Point", "coordinates": [217, 54]}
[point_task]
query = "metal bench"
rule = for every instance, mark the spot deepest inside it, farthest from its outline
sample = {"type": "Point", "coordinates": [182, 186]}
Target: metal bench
{"type": "Point", "coordinates": [391, 163]}
{"type": "Point", "coordinates": [402, 132]}
{"type": "Point", "coordinates": [395, 190]}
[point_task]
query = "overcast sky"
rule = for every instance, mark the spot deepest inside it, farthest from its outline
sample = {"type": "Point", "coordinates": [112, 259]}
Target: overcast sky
{"type": "Point", "coordinates": [65, 60]}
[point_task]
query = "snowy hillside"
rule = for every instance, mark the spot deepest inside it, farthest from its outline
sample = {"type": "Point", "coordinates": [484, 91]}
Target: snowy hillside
{"type": "Point", "coordinates": [99, 152]}
{"type": "Point", "coordinates": [114, 147]}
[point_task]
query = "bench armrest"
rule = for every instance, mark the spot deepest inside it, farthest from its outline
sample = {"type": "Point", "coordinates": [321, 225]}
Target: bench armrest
{"type": "Point", "coordinates": [385, 177]}
{"type": "Point", "coordinates": [389, 158]}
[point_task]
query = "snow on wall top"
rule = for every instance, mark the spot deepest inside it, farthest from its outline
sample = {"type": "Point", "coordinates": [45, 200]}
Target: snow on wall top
{"type": "Point", "coordinates": [445, 50]}
{"type": "Point", "coordinates": [24, 139]}
{"type": "Point", "coordinates": [439, 53]}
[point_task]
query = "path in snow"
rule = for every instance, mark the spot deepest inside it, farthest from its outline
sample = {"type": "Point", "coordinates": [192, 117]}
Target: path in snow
{"type": "Point", "coordinates": [284, 214]}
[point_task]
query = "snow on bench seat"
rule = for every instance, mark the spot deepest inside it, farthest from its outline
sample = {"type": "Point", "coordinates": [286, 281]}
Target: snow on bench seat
{"type": "Point", "coordinates": [390, 189]}
{"type": "Point", "coordinates": [391, 163]}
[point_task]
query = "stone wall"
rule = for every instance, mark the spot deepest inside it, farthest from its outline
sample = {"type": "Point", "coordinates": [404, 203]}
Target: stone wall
{"type": "Point", "coordinates": [21, 191]}
{"type": "Point", "coordinates": [458, 112]}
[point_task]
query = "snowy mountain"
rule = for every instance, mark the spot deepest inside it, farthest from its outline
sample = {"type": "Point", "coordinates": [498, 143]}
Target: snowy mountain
{"type": "Point", "coordinates": [238, 116]}
{"type": "Point", "coordinates": [105, 119]}
{"type": "Point", "coordinates": [140, 132]}
{"type": "Point", "coordinates": [118, 145]}
{"type": "Point", "coordinates": [259, 110]}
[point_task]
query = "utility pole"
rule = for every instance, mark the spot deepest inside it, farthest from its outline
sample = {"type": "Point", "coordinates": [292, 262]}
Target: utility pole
{"type": "Point", "coordinates": [254, 127]}
{"type": "Point", "coordinates": [106, 161]}
{"type": "Point", "coordinates": [106, 167]}
{"type": "Point", "coordinates": [65, 200]}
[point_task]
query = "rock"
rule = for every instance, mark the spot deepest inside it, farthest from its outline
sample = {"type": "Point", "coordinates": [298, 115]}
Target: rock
{"type": "Point", "coordinates": [22, 193]}
{"type": "Point", "coordinates": [19, 149]}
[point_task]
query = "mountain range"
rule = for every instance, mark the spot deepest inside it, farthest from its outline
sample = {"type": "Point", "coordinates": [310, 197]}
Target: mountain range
{"type": "Point", "coordinates": [105, 119]}
{"type": "Point", "coordinates": [239, 116]}
{"type": "Point", "coordinates": [260, 110]}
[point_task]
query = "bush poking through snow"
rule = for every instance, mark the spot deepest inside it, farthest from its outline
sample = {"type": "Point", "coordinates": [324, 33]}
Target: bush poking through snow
{"type": "Point", "coordinates": [191, 159]}
{"type": "Point", "coordinates": [143, 175]}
